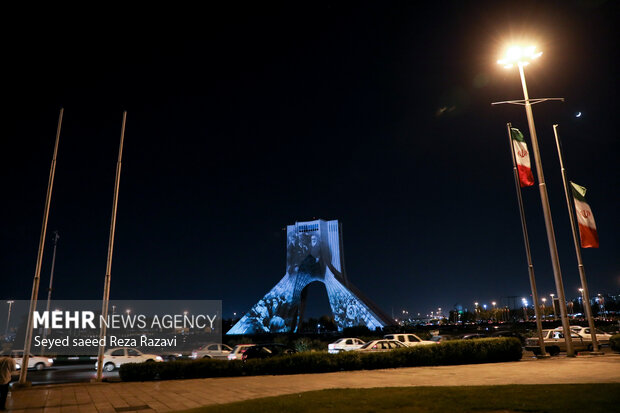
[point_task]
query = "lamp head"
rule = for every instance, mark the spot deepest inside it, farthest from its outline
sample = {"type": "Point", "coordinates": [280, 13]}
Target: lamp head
{"type": "Point", "coordinates": [520, 55]}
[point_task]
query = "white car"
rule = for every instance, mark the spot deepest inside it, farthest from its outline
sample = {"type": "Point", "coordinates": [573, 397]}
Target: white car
{"type": "Point", "coordinates": [410, 340]}
{"type": "Point", "coordinates": [584, 333]}
{"type": "Point", "coordinates": [344, 344]}
{"type": "Point", "coordinates": [212, 351]}
{"type": "Point", "coordinates": [116, 357]}
{"type": "Point", "coordinates": [555, 342]}
{"type": "Point", "coordinates": [381, 346]}
{"type": "Point", "coordinates": [34, 362]}
{"type": "Point", "coordinates": [238, 350]}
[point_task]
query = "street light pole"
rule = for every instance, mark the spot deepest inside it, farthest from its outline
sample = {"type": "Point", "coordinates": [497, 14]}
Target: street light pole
{"type": "Point", "coordinates": [49, 290]}
{"type": "Point", "coordinates": [521, 57]}
{"type": "Point", "coordinates": [8, 318]}
{"type": "Point", "coordinates": [544, 198]}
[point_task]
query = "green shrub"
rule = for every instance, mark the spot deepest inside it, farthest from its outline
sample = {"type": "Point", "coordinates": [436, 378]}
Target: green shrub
{"type": "Point", "coordinates": [614, 342]}
{"type": "Point", "coordinates": [490, 350]}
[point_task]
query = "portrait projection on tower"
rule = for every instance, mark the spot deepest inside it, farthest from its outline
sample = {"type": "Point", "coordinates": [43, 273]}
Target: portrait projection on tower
{"type": "Point", "coordinates": [313, 254]}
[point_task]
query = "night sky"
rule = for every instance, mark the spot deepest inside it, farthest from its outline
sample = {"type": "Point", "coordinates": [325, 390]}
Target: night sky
{"type": "Point", "coordinates": [243, 119]}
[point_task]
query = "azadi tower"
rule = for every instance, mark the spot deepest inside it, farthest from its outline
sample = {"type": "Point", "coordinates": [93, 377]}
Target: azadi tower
{"type": "Point", "coordinates": [313, 254]}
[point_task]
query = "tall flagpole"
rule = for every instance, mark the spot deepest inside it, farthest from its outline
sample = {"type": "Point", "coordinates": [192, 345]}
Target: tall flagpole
{"type": "Point", "coordinates": [526, 240]}
{"type": "Point", "coordinates": [108, 271]}
{"type": "Point", "coordinates": [571, 214]}
{"type": "Point", "coordinates": [37, 273]}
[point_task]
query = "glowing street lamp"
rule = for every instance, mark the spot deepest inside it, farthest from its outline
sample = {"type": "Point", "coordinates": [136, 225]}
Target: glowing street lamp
{"type": "Point", "coordinates": [522, 56]}
{"type": "Point", "coordinates": [601, 305]}
{"type": "Point", "coordinates": [519, 55]}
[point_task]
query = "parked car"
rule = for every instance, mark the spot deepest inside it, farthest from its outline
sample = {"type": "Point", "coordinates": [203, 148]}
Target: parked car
{"type": "Point", "coordinates": [441, 338]}
{"type": "Point", "coordinates": [410, 340]}
{"type": "Point", "coordinates": [381, 345]}
{"type": "Point", "coordinates": [473, 336]}
{"type": "Point", "coordinates": [509, 334]}
{"type": "Point", "coordinates": [584, 332]}
{"type": "Point", "coordinates": [116, 357]}
{"type": "Point", "coordinates": [238, 350]}
{"type": "Point", "coordinates": [34, 362]}
{"type": "Point", "coordinates": [173, 356]}
{"type": "Point", "coordinates": [555, 342]}
{"type": "Point", "coordinates": [344, 344]}
{"type": "Point", "coordinates": [263, 351]}
{"type": "Point", "coordinates": [212, 351]}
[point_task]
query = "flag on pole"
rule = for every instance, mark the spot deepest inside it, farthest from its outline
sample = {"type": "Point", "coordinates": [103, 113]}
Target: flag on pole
{"type": "Point", "coordinates": [587, 226]}
{"type": "Point", "coordinates": [526, 178]}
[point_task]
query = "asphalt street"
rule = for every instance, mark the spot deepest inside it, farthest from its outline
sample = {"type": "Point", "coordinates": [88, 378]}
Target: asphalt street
{"type": "Point", "coordinates": [84, 373]}
{"type": "Point", "coordinates": [76, 373]}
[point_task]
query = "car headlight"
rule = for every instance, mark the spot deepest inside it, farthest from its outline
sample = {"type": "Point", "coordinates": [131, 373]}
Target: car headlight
{"type": "Point", "coordinates": [50, 360]}
{"type": "Point", "coordinates": [18, 367]}
{"type": "Point", "coordinates": [158, 358]}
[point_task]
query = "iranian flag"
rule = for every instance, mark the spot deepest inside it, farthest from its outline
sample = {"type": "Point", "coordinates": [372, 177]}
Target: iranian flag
{"type": "Point", "coordinates": [587, 226]}
{"type": "Point", "coordinates": [523, 158]}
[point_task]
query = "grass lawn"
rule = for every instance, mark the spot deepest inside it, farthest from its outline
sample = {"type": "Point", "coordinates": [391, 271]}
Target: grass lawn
{"type": "Point", "coordinates": [561, 398]}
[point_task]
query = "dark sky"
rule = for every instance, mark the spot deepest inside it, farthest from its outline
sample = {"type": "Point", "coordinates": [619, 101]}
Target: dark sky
{"type": "Point", "coordinates": [245, 118]}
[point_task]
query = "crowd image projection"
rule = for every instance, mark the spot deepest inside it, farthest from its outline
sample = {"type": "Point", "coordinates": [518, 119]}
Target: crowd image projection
{"type": "Point", "coordinates": [313, 254]}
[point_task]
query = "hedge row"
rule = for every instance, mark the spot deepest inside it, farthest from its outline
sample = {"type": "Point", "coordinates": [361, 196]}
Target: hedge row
{"type": "Point", "coordinates": [614, 342]}
{"type": "Point", "coordinates": [452, 352]}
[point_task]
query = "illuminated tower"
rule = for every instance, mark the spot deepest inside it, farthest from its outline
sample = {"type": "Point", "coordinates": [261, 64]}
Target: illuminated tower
{"type": "Point", "coordinates": [313, 254]}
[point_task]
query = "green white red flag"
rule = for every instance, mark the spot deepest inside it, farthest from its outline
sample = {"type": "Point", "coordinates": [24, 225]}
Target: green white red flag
{"type": "Point", "coordinates": [587, 226]}
{"type": "Point", "coordinates": [522, 155]}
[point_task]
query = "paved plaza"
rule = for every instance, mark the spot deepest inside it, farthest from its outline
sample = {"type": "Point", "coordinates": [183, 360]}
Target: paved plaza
{"type": "Point", "coordinates": [164, 396]}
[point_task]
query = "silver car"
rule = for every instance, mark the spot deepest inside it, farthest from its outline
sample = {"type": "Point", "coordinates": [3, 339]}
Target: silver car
{"type": "Point", "coordinates": [381, 346]}
{"type": "Point", "coordinates": [212, 351]}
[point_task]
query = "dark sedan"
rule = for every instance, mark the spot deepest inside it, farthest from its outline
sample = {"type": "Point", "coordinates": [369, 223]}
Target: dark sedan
{"type": "Point", "coordinates": [263, 351]}
{"type": "Point", "coordinates": [473, 336]}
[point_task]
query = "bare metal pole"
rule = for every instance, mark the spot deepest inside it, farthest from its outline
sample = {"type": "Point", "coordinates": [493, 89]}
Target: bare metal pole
{"type": "Point", "coordinates": [8, 317]}
{"type": "Point", "coordinates": [571, 214]}
{"type": "Point", "coordinates": [108, 271]}
{"type": "Point", "coordinates": [526, 241]}
{"type": "Point", "coordinates": [49, 290]}
{"type": "Point", "coordinates": [544, 198]}
{"type": "Point", "coordinates": [37, 272]}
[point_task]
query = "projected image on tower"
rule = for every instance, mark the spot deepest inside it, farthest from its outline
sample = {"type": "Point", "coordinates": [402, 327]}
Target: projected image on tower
{"type": "Point", "coordinates": [303, 254]}
{"type": "Point", "coordinates": [312, 255]}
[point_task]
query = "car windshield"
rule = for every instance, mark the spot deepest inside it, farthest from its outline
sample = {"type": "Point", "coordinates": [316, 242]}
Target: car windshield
{"type": "Point", "coordinates": [369, 344]}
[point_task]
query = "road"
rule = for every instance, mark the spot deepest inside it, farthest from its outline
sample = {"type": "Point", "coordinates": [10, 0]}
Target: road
{"type": "Point", "coordinates": [84, 373]}
{"type": "Point", "coordinates": [74, 373]}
